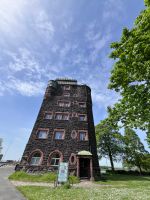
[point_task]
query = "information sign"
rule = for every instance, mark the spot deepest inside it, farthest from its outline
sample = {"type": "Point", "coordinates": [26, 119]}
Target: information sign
{"type": "Point", "coordinates": [63, 172]}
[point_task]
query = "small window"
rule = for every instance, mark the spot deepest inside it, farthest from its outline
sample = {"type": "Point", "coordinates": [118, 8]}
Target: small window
{"type": "Point", "coordinates": [82, 117]}
{"type": "Point", "coordinates": [72, 159]}
{"type": "Point", "coordinates": [55, 159]}
{"type": "Point", "coordinates": [74, 115]}
{"type": "Point", "coordinates": [66, 87]}
{"type": "Point", "coordinates": [36, 158]}
{"type": "Point", "coordinates": [82, 104]}
{"type": "Point", "coordinates": [64, 103]}
{"type": "Point", "coordinates": [61, 103]}
{"type": "Point", "coordinates": [66, 94]}
{"type": "Point", "coordinates": [42, 134]}
{"type": "Point", "coordinates": [82, 135]}
{"type": "Point", "coordinates": [65, 117]}
{"type": "Point", "coordinates": [75, 95]}
{"type": "Point", "coordinates": [48, 116]}
{"type": "Point", "coordinates": [58, 116]}
{"type": "Point", "coordinates": [75, 103]}
{"type": "Point", "coordinates": [59, 135]}
{"type": "Point", "coordinates": [73, 134]}
{"type": "Point", "coordinates": [62, 116]}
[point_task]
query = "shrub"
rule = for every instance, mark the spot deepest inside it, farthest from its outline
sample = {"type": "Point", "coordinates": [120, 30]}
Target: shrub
{"type": "Point", "coordinates": [73, 179]}
{"type": "Point", "coordinates": [66, 185]}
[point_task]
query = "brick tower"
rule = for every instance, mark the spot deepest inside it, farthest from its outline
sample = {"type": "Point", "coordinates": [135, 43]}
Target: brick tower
{"type": "Point", "coordinates": [64, 131]}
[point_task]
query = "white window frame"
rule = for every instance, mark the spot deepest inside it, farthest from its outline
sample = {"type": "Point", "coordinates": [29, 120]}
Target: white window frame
{"type": "Point", "coordinates": [82, 119]}
{"type": "Point", "coordinates": [66, 94]}
{"type": "Point", "coordinates": [44, 131]}
{"type": "Point", "coordinates": [48, 114]}
{"type": "Point", "coordinates": [64, 103]}
{"type": "Point", "coordinates": [57, 132]}
{"type": "Point", "coordinates": [67, 87]}
{"type": "Point", "coordinates": [62, 116]}
{"type": "Point", "coordinates": [82, 104]}
{"type": "Point", "coordinates": [85, 138]}
{"type": "Point", "coordinates": [55, 161]}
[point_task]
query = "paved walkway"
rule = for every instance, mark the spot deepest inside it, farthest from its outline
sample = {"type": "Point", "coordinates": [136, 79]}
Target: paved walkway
{"type": "Point", "coordinates": [7, 190]}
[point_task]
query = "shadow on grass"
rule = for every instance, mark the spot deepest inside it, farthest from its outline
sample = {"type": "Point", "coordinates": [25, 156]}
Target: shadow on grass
{"type": "Point", "coordinates": [122, 177]}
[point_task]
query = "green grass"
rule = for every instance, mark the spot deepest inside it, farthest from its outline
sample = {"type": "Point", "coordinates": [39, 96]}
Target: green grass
{"type": "Point", "coordinates": [116, 187]}
{"type": "Point", "coordinates": [23, 176]}
{"type": "Point", "coordinates": [119, 180]}
{"type": "Point", "coordinates": [47, 177]}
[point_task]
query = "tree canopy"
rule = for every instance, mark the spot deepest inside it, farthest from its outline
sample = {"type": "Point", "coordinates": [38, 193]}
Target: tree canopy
{"type": "Point", "coordinates": [134, 151]}
{"type": "Point", "coordinates": [109, 142]}
{"type": "Point", "coordinates": [130, 75]}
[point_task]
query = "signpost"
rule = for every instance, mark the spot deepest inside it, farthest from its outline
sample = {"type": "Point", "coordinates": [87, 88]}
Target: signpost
{"type": "Point", "coordinates": [63, 172]}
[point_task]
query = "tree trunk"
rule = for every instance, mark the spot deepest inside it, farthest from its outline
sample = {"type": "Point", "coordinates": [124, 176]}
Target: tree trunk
{"type": "Point", "coordinates": [140, 170]}
{"type": "Point", "coordinates": [111, 159]}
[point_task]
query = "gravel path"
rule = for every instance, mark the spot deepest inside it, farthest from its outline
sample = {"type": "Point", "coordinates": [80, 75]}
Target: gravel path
{"type": "Point", "coordinates": [83, 184]}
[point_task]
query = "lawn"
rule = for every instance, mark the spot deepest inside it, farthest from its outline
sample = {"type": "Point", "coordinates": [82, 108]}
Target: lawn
{"type": "Point", "coordinates": [116, 187]}
{"type": "Point", "coordinates": [46, 177]}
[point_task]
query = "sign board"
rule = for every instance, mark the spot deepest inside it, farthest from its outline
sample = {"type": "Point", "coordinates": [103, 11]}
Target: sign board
{"type": "Point", "coordinates": [63, 172]}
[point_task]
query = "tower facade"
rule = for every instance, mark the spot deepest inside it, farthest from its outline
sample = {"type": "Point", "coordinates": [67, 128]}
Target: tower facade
{"type": "Point", "coordinates": [64, 131]}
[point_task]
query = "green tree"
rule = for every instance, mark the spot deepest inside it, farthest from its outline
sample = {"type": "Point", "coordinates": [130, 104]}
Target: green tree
{"type": "Point", "coordinates": [130, 75]}
{"type": "Point", "coordinates": [134, 151]}
{"type": "Point", "coordinates": [109, 142]}
{"type": "Point", "coordinates": [146, 162]}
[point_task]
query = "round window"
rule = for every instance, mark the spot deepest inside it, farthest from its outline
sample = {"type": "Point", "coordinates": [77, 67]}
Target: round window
{"type": "Point", "coordinates": [72, 159]}
{"type": "Point", "coordinates": [74, 134]}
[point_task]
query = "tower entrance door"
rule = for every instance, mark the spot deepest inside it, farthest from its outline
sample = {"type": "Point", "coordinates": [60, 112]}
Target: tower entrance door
{"type": "Point", "coordinates": [84, 167]}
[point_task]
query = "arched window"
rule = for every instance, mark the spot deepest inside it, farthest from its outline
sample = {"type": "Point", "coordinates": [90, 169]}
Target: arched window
{"type": "Point", "coordinates": [36, 158]}
{"type": "Point", "coordinates": [55, 158]}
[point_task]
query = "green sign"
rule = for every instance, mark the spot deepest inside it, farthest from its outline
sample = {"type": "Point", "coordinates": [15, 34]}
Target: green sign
{"type": "Point", "coordinates": [63, 172]}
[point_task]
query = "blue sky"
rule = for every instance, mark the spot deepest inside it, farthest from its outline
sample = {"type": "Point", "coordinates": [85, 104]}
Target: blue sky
{"type": "Point", "coordinates": [45, 39]}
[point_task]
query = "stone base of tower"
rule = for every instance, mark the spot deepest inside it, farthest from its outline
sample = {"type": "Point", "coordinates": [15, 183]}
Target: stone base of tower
{"type": "Point", "coordinates": [94, 173]}
{"type": "Point", "coordinates": [84, 166]}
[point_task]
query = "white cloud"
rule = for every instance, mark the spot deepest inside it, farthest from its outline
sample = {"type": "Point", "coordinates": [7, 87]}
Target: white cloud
{"type": "Point", "coordinates": [23, 60]}
{"type": "Point", "coordinates": [113, 9]}
{"type": "Point", "coordinates": [10, 12]}
{"type": "Point", "coordinates": [65, 50]}
{"type": "Point", "coordinates": [2, 88]}
{"type": "Point", "coordinates": [103, 98]}
{"type": "Point", "coordinates": [96, 40]}
{"type": "Point", "coordinates": [26, 88]}
{"type": "Point", "coordinates": [23, 74]}
{"type": "Point", "coordinates": [44, 25]}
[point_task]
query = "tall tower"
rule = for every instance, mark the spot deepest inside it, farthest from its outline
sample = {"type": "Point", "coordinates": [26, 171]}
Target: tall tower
{"type": "Point", "coordinates": [64, 131]}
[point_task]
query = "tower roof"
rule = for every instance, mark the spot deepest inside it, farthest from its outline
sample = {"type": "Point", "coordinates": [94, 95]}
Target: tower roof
{"type": "Point", "coordinates": [66, 81]}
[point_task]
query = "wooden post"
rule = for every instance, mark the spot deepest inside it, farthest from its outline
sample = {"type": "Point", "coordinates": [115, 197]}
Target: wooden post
{"type": "Point", "coordinates": [78, 167]}
{"type": "Point", "coordinates": [91, 170]}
